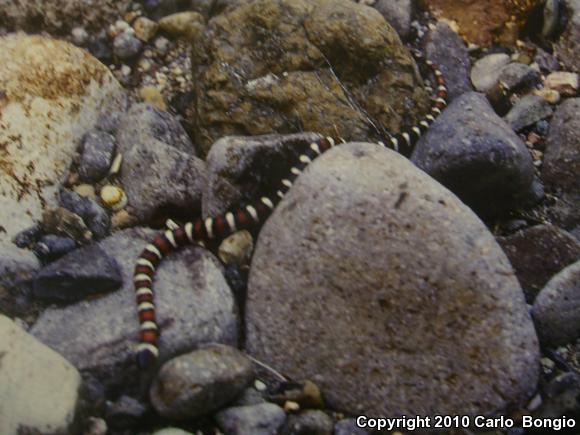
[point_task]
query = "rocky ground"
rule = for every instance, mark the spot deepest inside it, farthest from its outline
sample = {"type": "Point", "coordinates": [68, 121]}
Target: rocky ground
{"type": "Point", "coordinates": [447, 283]}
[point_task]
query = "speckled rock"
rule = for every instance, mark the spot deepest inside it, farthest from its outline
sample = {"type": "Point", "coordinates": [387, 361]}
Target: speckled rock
{"type": "Point", "coordinates": [143, 122]}
{"type": "Point", "coordinates": [398, 14]}
{"type": "Point", "coordinates": [446, 48]}
{"type": "Point", "coordinates": [58, 16]}
{"type": "Point", "coordinates": [194, 306]}
{"type": "Point", "coordinates": [284, 84]}
{"type": "Point", "coordinates": [52, 94]}
{"type": "Point", "coordinates": [557, 308]}
{"type": "Point", "coordinates": [78, 274]}
{"type": "Point", "coordinates": [97, 155]}
{"type": "Point", "coordinates": [240, 168]}
{"type": "Point", "coordinates": [568, 46]}
{"type": "Point", "coordinates": [472, 152]}
{"type": "Point", "coordinates": [39, 388]}
{"type": "Point", "coordinates": [528, 111]}
{"type": "Point", "coordinates": [200, 382]}
{"type": "Point", "coordinates": [538, 253]}
{"type": "Point", "coordinates": [463, 320]}
{"type": "Point", "coordinates": [263, 419]}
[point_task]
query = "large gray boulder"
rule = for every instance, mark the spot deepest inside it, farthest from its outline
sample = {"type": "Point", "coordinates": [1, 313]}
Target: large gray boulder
{"type": "Point", "coordinates": [371, 273]}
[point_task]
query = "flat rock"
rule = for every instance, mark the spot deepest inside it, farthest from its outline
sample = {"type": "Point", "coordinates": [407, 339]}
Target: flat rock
{"type": "Point", "coordinates": [52, 94]}
{"type": "Point", "coordinates": [200, 382]}
{"type": "Point", "coordinates": [557, 308]}
{"type": "Point", "coordinates": [82, 272]}
{"type": "Point", "coordinates": [194, 306]}
{"type": "Point", "coordinates": [240, 168]}
{"type": "Point", "coordinates": [263, 419]}
{"type": "Point", "coordinates": [39, 388]}
{"type": "Point", "coordinates": [528, 111]}
{"type": "Point", "coordinates": [323, 305]}
{"type": "Point", "coordinates": [471, 151]}
{"type": "Point", "coordinates": [288, 82]}
{"type": "Point", "coordinates": [446, 48]}
{"type": "Point", "coordinates": [538, 253]}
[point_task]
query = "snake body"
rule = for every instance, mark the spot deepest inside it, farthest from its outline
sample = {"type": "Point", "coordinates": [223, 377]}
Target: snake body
{"type": "Point", "coordinates": [249, 217]}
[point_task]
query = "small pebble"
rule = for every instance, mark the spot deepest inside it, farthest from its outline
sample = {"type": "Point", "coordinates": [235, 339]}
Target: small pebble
{"type": "Point", "coordinates": [113, 197]}
{"type": "Point", "coordinates": [145, 29]}
{"type": "Point", "coordinates": [566, 83]}
{"type": "Point", "coordinates": [116, 165]}
{"type": "Point", "coordinates": [86, 190]}
{"type": "Point", "coordinates": [550, 95]}
{"type": "Point", "coordinates": [290, 406]}
{"type": "Point", "coordinates": [79, 36]}
{"type": "Point", "coordinates": [123, 219]}
{"type": "Point", "coordinates": [185, 25]}
{"type": "Point", "coordinates": [151, 95]}
{"type": "Point", "coordinates": [126, 46]}
{"type": "Point", "coordinates": [237, 248]}
{"type": "Point", "coordinates": [162, 45]}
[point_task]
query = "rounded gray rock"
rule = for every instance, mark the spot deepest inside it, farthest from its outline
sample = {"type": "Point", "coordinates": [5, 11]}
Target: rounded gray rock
{"type": "Point", "coordinates": [263, 419]}
{"type": "Point", "coordinates": [557, 308]}
{"type": "Point", "coordinates": [471, 151]}
{"type": "Point", "coordinates": [486, 71]}
{"type": "Point", "coordinates": [200, 382]}
{"type": "Point", "coordinates": [371, 273]}
{"type": "Point", "coordinates": [309, 422]}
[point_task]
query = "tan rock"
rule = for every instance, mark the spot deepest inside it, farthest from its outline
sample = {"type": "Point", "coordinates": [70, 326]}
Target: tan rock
{"type": "Point", "coordinates": [51, 94]}
{"type": "Point", "coordinates": [152, 95]}
{"type": "Point", "coordinates": [566, 83]}
{"type": "Point", "coordinates": [145, 29]}
{"type": "Point", "coordinates": [186, 25]}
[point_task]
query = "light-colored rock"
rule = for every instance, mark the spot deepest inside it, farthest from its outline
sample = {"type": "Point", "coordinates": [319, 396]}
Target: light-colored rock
{"type": "Point", "coordinates": [370, 273]}
{"type": "Point", "coordinates": [152, 95]}
{"type": "Point", "coordinates": [486, 71]}
{"type": "Point", "coordinates": [51, 94]}
{"type": "Point", "coordinates": [145, 29]}
{"type": "Point", "coordinates": [566, 83]}
{"type": "Point", "coordinates": [237, 248]}
{"type": "Point", "coordinates": [262, 419]}
{"type": "Point", "coordinates": [39, 389]}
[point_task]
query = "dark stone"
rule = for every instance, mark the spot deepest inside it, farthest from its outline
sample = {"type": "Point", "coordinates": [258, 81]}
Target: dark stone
{"type": "Point", "coordinates": [28, 237]}
{"type": "Point", "coordinates": [97, 154]}
{"type": "Point", "coordinates": [538, 253]}
{"type": "Point", "coordinates": [348, 427]}
{"type": "Point", "coordinates": [446, 48]}
{"type": "Point", "coordinates": [51, 247]}
{"type": "Point", "coordinates": [398, 14]}
{"type": "Point", "coordinates": [78, 274]}
{"type": "Point", "coordinates": [561, 397]}
{"type": "Point", "coordinates": [517, 76]}
{"type": "Point", "coordinates": [124, 413]}
{"type": "Point", "coordinates": [95, 217]}
{"type": "Point", "coordinates": [472, 152]}
{"type": "Point", "coordinates": [126, 46]}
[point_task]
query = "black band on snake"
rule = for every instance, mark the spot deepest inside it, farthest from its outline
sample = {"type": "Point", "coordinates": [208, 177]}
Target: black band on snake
{"type": "Point", "coordinates": [250, 217]}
